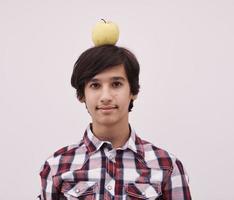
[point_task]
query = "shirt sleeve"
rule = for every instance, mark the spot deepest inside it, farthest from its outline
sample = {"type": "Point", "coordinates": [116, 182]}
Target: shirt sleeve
{"type": "Point", "coordinates": [176, 185]}
{"type": "Point", "coordinates": [48, 189]}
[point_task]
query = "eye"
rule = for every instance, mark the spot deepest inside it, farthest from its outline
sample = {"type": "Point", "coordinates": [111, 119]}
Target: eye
{"type": "Point", "coordinates": [94, 85]}
{"type": "Point", "coordinates": [117, 84]}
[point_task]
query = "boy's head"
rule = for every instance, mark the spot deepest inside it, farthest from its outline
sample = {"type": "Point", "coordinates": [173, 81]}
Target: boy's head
{"type": "Point", "coordinates": [97, 59]}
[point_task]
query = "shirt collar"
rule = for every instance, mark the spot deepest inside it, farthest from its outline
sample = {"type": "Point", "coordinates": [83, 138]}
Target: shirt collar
{"type": "Point", "coordinates": [93, 144]}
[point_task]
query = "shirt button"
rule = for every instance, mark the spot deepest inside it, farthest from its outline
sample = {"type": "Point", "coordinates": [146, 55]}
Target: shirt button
{"type": "Point", "coordinates": [109, 187]}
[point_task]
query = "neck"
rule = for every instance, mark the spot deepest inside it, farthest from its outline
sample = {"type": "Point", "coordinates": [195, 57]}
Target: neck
{"type": "Point", "coordinates": [116, 134]}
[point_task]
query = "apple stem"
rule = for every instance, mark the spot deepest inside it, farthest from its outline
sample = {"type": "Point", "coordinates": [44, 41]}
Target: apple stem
{"type": "Point", "coordinates": [103, 20]}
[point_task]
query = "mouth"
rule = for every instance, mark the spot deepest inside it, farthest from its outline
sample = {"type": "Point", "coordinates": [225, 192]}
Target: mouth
{"type": "Point", "coordinates": [106, 108]}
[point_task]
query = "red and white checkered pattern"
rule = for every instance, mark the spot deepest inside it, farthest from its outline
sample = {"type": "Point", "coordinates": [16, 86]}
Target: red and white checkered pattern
{"type": "Point", "coordinates": [93, 169]}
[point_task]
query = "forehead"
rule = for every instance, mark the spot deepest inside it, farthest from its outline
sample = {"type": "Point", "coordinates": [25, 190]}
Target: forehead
{"type": "Point", "coordinates": [112, 72]}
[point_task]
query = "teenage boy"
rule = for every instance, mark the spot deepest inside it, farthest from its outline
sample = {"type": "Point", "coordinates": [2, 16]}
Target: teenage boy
{"type": "Point", "coordinates": [111, 162]}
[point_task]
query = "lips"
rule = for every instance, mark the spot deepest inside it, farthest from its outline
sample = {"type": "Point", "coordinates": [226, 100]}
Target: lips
{"type": "Point", "coordinates": [106, 107]}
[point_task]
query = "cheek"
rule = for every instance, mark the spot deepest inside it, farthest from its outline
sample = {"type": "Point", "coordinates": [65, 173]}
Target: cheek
{"type": "Point", "coordinates": [89, 101]}
{"type": "Point", "coordinates": [125, 99]}
{"type": "Point", "coordinates": [89, 96]}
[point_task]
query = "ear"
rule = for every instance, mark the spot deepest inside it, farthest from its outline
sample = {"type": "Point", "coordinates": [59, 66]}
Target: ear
{"type": "Point", "coordinates": [134, 97]}
{"type": "Point", "coordinates": [82, 100]}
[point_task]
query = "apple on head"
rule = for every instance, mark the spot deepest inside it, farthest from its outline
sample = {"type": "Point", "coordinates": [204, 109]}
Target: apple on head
{"type": "Point", "coordinates": [105, 32]}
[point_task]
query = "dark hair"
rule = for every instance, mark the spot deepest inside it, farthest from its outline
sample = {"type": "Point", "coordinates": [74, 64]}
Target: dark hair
{"type": "Point", "coordinates": [96, 59]}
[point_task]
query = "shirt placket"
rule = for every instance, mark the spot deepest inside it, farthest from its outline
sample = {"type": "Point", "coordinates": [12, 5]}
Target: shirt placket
{"type": "Point", "coordinates": [110, 174]}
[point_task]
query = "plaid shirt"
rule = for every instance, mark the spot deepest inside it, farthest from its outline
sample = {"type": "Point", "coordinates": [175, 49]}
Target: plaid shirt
{"type": "Point", "coordinates": [93, 169]}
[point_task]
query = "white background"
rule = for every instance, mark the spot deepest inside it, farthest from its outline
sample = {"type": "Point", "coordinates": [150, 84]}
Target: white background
{"type": "Point", "coordinates": [185, 105]}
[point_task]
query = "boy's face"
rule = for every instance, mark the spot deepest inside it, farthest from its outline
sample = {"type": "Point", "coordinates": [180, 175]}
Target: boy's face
{"type": "Point", "coordinates": [107, 96]}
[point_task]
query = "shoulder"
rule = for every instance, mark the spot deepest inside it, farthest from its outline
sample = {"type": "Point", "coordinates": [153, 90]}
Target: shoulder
{"type": "Point", "coordinates": [156, 157]}
{"type": "Point", "coordinates": [67, 150]}
{"type": "Point", "coordinates": [64, 156]}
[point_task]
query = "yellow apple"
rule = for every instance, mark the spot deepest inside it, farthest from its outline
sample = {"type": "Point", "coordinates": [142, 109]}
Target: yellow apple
{"type": "Point", "coordinates": [105, 32]}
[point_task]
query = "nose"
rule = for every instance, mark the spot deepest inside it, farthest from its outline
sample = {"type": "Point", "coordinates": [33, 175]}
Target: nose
{"type": "Point", "coordinates": [106, 96]}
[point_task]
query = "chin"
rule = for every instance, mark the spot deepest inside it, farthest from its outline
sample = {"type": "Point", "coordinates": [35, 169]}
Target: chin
{"type": "Point", "coordinates": [107, 122]}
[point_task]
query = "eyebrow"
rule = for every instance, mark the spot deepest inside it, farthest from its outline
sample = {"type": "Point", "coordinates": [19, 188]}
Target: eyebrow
{"type": "Point", "coordinates": [115, 78]}
{"type": "Point", "coordinates": [118, 78]}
